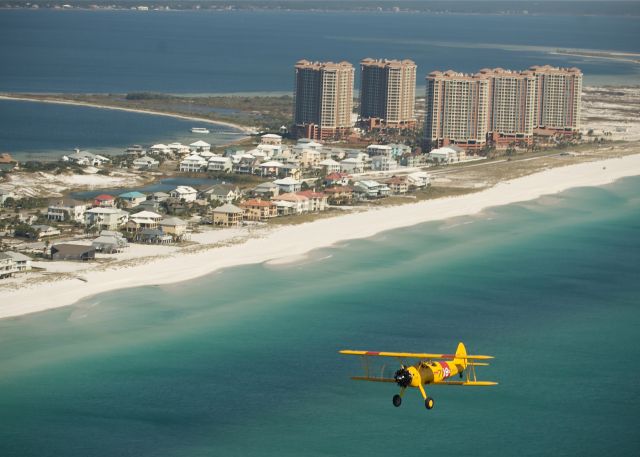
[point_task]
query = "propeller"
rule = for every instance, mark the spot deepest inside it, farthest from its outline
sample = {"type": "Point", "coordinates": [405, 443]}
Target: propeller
{"type": "Point", "coordinates": [402, 377]}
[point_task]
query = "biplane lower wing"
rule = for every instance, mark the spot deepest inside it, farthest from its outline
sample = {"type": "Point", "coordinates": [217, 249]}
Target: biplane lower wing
{"type": "Point", "coordinates": [466, 383]}
{"type": "Point", "coordinates": [416, 355]}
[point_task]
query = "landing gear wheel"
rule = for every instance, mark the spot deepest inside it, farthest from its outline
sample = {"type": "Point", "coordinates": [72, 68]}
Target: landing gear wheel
{"type": "Point", "coordinates": [397, 400]}
{"type": "Point", "coordinates": [429, 403]}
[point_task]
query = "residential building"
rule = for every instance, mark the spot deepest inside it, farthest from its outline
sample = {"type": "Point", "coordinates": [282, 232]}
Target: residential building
{"type": "Point", "coordinates": [86, 158]}
{"type": "Point", "coordinates": [558, 98]}
{"type": "Point", "coordinates": [383, 163]}
{"type": "Point", "coordinates": [105, 201]}
{"type": "Point", "coordinates": [339, 195]}
{"type": "Point", "coordinates": [330, 166]}
{"type": "Point", "coordinates": [160, 149]}
{"type": "Point", "coordinates": [193, 164]}
{"type": "Point", "coordinates": [67, 251]}
{"type": "Point", "coordinates": [272, 168]}
{"type": "Point", "coordinates": [387, 93]}
{"type": "Point", "coordinates": [379, 150]}
{"type": "Point", "coordinates": [186, 193]}
{"type": "Point", "coordinates": [371, 189]}
{"type": "Point", "coordinates": [154, 236]}
{"type": "Point", "coordinates": [259, 210]}
{"type": "Point", "coordinates": [66, 210]}
{"type": "Point", "coordinates": [352, 165]}
{"type": "Point", "coordinates": [105, 218]}
{"type": "Point", "coordinates": [446, 154]}
{"type": "Point", "coordinates": [336, 179]}
{"type": "Point", "coordinates": [419, 179]}
{"type": "Point", "coordinates": [266, 189]}
{"type": "Point", "coordinates": [297, 202]}
{"type": "Point", "coordinates": [200, 146]}
{"type": "Point", "coordinates": [224, 193]}
{"type": "Point", "coordinates": [175, 227]}
{"type": "Point", "coordinates": [271, 138]}
{"type": "Point", "coordinates": [222, 164]}
{"type": "Point", "coordinates": [7, 266]}
{"type": "Point", "coordinates": [145, 163]}
{"type": "Point", "coordinates": [143, 220]}
{"type": "Point", "coordinates": [317, 200]}
{"type": "Point", "coordinates": [288, 184]}
{"type": "Point", "coordinates": [456, 109]}
{"type": "Point", "coordinates": [110, 244]}
{"type": "Point", "coordinates": [21, 261]}
{"type": "Point", "coordinates": [398, 185]}
{"type": "Point", "coordinates": [323, 99]}
{"type": "Point", "coordinates": [131, 199]}
{"type": "Point", "coordinates": [45, 230]}
{"type": "Point", "coordinates": [227, 215]}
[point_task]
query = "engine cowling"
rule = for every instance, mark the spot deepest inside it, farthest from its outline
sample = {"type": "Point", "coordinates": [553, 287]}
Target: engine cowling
{"type": "Point", "coordinates": [403, 377]}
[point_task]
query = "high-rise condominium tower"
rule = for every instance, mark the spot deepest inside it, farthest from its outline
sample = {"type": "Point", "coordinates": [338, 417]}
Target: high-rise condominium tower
{"type": "Point", "coordinates": [558, 97]}
{"type": "Point", "coordinates": [323, 99]}
{"type": "Point", "coordinates": [388, 93]}
{"type": "Point", "coordinates": [456, 109]}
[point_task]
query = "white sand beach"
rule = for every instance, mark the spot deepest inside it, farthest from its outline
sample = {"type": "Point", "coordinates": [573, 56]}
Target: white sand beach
{"type": "Point", "coordinates": [291, 242]}
{"type": "Point", "coordinates": [242, 128]}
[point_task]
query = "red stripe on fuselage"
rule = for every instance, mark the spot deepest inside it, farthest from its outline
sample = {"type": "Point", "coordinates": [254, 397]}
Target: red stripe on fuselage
{"type": "Point", "coordinates": [372, 353]}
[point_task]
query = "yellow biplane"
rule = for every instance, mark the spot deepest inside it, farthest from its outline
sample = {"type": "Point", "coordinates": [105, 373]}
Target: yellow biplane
{"type": "Point", "coordinates": [433, 369]}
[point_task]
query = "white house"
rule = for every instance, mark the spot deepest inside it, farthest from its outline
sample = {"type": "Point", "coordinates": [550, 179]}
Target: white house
{"type": "Point", "coordinates": [193, 163]}
{"type": "Point", "coordinates": [21, 261]}
{"type": "Point", "coordinates": [105, 218]}
{"type": "Point", "coordinates": [186, 193]}
{"type": "Point", "coordinates": [351, 166]}
{"type": "Point", "coordinates": [330, 166]}
{"type": "Point", "coordinates": [179, 148]}
{"type": "Point", "coordinates": [419, 179]}
{"type": "Point", "coordinates": [217, 163]}
{"type": "Point", "coordinates": [71, 210]}
{"type": "Point", "coordinates": [200, 146]}
{"type": "Point", "coordinates": [372, 189]}
{"type": "Point", "coordinates": [445, 154]}
{"type": "Point", "coordinates": [379, 150]}
{"type": "Point", "coordinates": [297, 203]}
{"type": "Point", "coordinates": [159, 148]}
{"type": "Point", "coordinates": [86, 158]}
{"type": "Point", "coordinates": [288, 184]}
{"type": "Point", "coordinates": [271, 168]}
{"type": "Point", "coordinates": [222, 192]}
{"type": "Point", "coordinates": [383, 163]}
{"type": "Point", "coordinates": [145, 163]}
{"type": "Point", "coordinates": [271, 138]}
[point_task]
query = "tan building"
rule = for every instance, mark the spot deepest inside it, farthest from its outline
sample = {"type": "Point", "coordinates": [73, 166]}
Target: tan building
{"type": "Point", "coordinates": [456, 109]}
{"type": "Point", "coordinates": [558, 98]}
{"type": "Point", "coordinates": [227, 215]}
{"type": "Point", "coordinates": [323, 99]}
{"type": "Point", "coordinates": [512, 96]}
{"type": "Point", "coordinates": [387, 93]}
{"type": "Point", "coordinates": [259, 210]}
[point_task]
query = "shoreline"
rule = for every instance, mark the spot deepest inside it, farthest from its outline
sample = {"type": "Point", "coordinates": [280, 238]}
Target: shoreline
{"type": "Point", "coordinates": [243, 129]}
{"type": "Point", "coordinates": [292, 243]}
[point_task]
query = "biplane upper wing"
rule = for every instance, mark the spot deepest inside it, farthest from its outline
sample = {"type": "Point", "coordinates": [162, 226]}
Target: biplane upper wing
{"type": "Point", "coordinates": [412, 355]}
{"type": "Point", "coordinates": [372, 379]}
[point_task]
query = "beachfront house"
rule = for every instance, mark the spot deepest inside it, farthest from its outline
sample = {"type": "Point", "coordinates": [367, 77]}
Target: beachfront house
{"type": "Point", "coordinates": [131, 199]}
{"type": "Point", "coordinates": [145, 163]}
{"type": "Point", "coordinates": [105, 218]}
{"type": "Point", "coordinates": [288, 185]}
{"type": "Point", "coordinates": [447, 154]}
{"type": "Point", "coordinates": [193, 164]}
{"type": "Point", "coordinates": [339, 195]}
{"type": "Point", "coordinates": [179, 149]}
{"type": "Point", "coordinates": [222, 164]}
{"type": "Point", "coordinates": [299, 203]}
{"type": "Point", "coordinates": [7, 266]}
{"type": "Point", "coordinates": [398, 185]}
{"type": "Point", "coordinates": [110, 243]}
{"type": "Point", "coordinates": [186, 193]}
{"type": "Point", "coordinates": [371, 189]}
{"type": "Point", "coordinates": [200, 146]}
{"type": "Point", "coordinates": [142, 220]}
{"type": "Point", "coordinates": [419, 179]}
{"type": "Point", "coordinates": [67, 251]}
{"type": "Point", "coordinates": [259, 210]}
{"type": "Point", "coordinates": [175, 227]}
{"type": "Point", "coordinates": [21, 261]}
{"type": "Point", "coordinates": [85, 159]}
{"type": "Point", "coordinates": [317, 200]}
{"type": "Point", "coordinates": [329, 166]}
{"type": "Point", "coordinates": [227, 215]}
{"type": "Point", "coordinates": [61, 210]}
{"type": "Point", "coordinates": [154, 236]}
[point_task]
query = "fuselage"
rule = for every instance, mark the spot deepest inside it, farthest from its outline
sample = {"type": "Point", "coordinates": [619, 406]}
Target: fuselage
{"type": "Point", "coordinates": [432, 372]}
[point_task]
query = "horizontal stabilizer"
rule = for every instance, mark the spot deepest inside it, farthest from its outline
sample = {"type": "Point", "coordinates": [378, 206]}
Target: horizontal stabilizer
{"type": "Point", "coordinates": [467, 383]}
{"type": "Point", "coordinates": [372, 379]}
{"type": "Point", "coordinates": [412, 355]}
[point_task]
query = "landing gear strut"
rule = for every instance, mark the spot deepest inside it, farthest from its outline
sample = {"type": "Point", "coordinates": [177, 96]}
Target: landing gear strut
{"type": "Point", "coordinates": [429, 403]}
{"type": "Point", "coordinates": [397, 400]}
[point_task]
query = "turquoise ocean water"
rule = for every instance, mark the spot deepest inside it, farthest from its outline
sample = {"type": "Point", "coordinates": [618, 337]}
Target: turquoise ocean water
{"type": "Point", "coordinates": [244, 361]}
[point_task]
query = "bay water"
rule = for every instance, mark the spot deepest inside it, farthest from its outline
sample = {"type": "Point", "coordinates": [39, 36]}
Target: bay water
{"type": "Point", "coordinates": [244, 361]}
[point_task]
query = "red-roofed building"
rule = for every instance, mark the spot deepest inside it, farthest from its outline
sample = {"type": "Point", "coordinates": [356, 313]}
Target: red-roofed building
{"type": "Point", "coordinates": [398, 185]}
{"type": "Point", "coordinates": [317, 200]}
{"type": "Point", "coordinates": [259, 210]}
{"type": "Point", "coordinates": [296, 203]}
{"type": "Point", "coordinates": [105, 201]}
{"type": "Point", "coordinates": [336, 179]}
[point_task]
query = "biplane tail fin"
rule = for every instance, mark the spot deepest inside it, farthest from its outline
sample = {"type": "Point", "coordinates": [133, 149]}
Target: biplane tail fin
{"type": "Point", "coordinates": [460, 358]}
